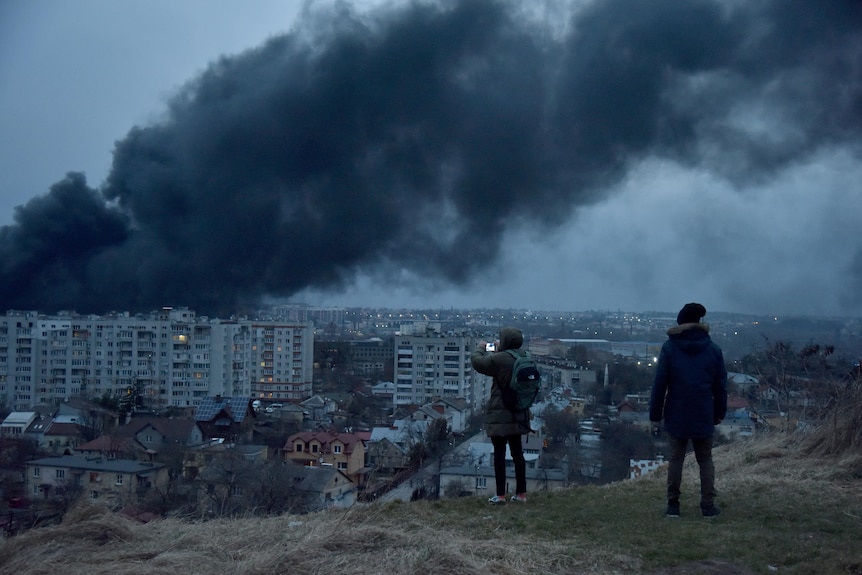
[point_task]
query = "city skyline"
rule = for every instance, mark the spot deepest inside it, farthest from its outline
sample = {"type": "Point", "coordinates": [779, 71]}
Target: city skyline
{"type": "Point", "coordinates": [691, 153]}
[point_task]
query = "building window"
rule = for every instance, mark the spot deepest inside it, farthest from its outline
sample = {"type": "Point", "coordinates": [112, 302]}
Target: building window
{"type": "Point", "coordinates": [61, 473]}
{"type": "Point", "coordinates": [119, 480]}
{"type": "Point", "coordinates": [314, 448]}
{"type": "Point", "coordinates": [236, 490]}
{"type": "Point", "coordinates": [336, 449]}
{"type": "Point", "coordinates": [36, 472]}
{"type": "Point", "coordinates": [342, 466]}
{"type": "Point", "coordinates": [481, 482]}
{"type": "Point", "coordinates": [298, 447]}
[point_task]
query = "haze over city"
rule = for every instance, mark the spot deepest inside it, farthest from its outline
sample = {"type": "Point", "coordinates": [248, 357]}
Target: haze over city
{"type": "Point", "coordinates": [415, 154]}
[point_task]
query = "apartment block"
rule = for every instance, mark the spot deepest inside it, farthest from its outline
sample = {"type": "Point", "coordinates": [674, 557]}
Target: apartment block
{"type": "Point", "coordinates": [169, 358]}
{"type": "Point", "coordinates": [283, 361]}
{"type": "Point", "coordinates": [432, 366]}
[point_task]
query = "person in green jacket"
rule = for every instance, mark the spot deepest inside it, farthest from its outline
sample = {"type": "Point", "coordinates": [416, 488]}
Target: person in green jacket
{"type": "Point", "coordinates": [504, 426]}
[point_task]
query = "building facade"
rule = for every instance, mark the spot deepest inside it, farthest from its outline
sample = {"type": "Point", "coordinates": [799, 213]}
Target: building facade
{"type": "Point", "coordinates": [169, 358]}
{"type": "Point", "coordinates": [283, 361]}
{"type": "Point", "coordinates": [116, 480]}
{"type": "Point", "coordinates": [432, 366]}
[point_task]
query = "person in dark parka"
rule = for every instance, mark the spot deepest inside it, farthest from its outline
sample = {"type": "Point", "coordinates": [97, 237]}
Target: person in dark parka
{"type": "Point", "coordinates": [690, 394]}
{"type": "Point", "coordinates": [502, 425]}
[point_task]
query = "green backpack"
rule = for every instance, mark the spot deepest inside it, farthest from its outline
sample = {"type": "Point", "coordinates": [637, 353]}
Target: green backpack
{"type": "Point", "coordinates": [525, 384]}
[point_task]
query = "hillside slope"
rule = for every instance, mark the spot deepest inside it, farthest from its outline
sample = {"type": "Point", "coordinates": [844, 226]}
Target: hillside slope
{"type": "Point", "coordinates": [791, 505]}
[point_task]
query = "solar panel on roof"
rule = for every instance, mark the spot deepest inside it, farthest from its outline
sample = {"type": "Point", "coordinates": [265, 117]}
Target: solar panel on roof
{"type": "Point", "coordinates": [209, 407]}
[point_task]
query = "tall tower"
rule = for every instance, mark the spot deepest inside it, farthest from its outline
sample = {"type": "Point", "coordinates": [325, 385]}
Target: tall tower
{"type": "Point", "coordinates": [431, 366]}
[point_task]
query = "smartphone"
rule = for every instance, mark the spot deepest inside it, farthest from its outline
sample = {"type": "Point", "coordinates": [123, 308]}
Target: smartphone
{"type": "Point", "coordinates": [490, 347]}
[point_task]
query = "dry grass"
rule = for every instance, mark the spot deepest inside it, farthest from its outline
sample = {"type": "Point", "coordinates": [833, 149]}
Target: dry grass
{"type": "Point", "coordinates": [785, 510]}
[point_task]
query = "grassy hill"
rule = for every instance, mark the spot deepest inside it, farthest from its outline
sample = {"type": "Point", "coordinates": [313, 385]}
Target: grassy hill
{"type": "Point", "coordinates": [791, 504]}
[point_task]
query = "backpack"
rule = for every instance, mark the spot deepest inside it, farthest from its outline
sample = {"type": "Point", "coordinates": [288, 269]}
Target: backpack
{"type": "Point", "coordinates": [525, 384]}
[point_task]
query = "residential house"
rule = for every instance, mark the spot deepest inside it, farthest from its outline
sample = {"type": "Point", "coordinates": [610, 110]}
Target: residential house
{"type": "Point", "coordinates": [476, 475]}
{"type": "Point", "coordinates": [36, 430]}
{"type": "Point", "coordinates": [318, 408]}
{"type": "Point", "coordinates": [739, 421]}
{"type": "Point", "coordinates": [199, 457]}
{"type": "Point", "coordinates": [117, 481]}
{"type": "Point", "coordinates": [455, 410]}
{"type": "Point", "coordinates": [430, 412]}
{"type": "Point", "coordinates": [388, 448]}
{"type": "Point", "coordinates": [91, 415]}
{"type": "Point", "coordinates": [156, 432]}
{"type": "Point", "coordinates": [641, 467]}
{"type": "Point", "coordinates": [742, 383]}
{"type": "Point", "coordinates": [17, 422]}
{"type": "Point", "coordinates": [226, 418]}
{"type": "Point", "coordinates": [576, 405]}
{"type": "Point", "coordinates": [144, 437]}
{"type": "Point", "coordinates": [272, 486]}
{"type": "Point", "coordinates": [116, 446]}
{"type": "Point", "coordinates": [325, 487]}
{"type": "Point", "coordinates": [343, 451]}
{"type": "Point", "coordinates": [475, 479]}
{"type": "Point", "coordinates": [383, 389]}
{"type": "Point", "coordinates": [62, 435]}
{"type": "Point", "coordinates": [387, 457]}
{"type": "Point", "coordinates": [288, 412]}
{"type": "Point", "coordinates": [564, 374]}
{"type": "Point", "coordinates": [736, 424]}
{"type": "Point", "coordinates": [627, 407]}
{"type": "Point", "coordinates": [533, 444]}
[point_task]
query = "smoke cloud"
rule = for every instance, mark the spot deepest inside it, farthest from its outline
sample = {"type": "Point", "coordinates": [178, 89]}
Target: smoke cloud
{"type": "Point", "coordinates": [419, 137]}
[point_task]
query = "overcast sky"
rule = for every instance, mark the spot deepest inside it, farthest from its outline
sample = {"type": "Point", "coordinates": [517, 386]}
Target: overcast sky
{"type": "Point", "coordinates": [577, 158]}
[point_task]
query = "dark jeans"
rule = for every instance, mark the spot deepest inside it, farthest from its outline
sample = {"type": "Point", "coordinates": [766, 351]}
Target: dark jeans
{"type": "Point", "coordinates": [703, 454]}
{"type": "Point", "coordinates": [517, 450]}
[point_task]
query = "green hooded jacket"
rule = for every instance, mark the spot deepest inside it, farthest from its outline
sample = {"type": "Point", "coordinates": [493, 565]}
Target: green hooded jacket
{"type": "Point", "coordinates": [499, 420]}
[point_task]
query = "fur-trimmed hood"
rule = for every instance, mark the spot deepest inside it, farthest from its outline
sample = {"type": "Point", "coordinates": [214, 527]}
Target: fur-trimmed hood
{"type": "Point", "coordinates": [678, 329]}
{"type": "Point", "coordinates": [690, 338]}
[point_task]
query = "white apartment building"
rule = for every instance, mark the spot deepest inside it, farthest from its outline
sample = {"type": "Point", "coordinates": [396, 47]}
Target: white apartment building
{"type": "Point", "coordinates": [170, 357]}
{"type": "Point", "coordinates": [432, 366]}
{"type": "Point", "coordinates": [283, 361]}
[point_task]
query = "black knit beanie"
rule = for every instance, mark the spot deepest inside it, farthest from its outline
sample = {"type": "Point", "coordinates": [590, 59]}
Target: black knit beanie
{"type": "Point", "coordinates": [690, 313]}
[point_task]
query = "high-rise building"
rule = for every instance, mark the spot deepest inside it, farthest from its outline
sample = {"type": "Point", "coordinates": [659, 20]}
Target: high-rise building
{"type": "Point", "coordinates": [282, 366]}
{"type": "Point", "coordinates": [432, 365]}
{"type": "Point", "coordinates": [166, 358]}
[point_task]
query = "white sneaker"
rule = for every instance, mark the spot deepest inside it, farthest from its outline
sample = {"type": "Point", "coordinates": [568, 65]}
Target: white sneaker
{"type": "Point", "coordinates": [496, 500]}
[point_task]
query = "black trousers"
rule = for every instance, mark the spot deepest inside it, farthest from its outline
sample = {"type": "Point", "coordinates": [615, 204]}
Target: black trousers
{"type": "Point", "coordinates": [517, 451]}
{"type": "Point", "coordinates": [703, 454]}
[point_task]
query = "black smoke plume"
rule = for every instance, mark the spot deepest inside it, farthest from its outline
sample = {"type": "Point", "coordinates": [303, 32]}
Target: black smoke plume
{"type": "Point", "coordinates": [417, 137]}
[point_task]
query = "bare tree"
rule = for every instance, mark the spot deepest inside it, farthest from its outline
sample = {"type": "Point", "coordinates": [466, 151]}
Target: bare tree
{"type": "Point", "coordinates": [225, 480]}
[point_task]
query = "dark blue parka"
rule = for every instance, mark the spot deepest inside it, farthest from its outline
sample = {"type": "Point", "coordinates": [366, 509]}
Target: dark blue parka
{"type": "Point", "coordinates": [690, 388]}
